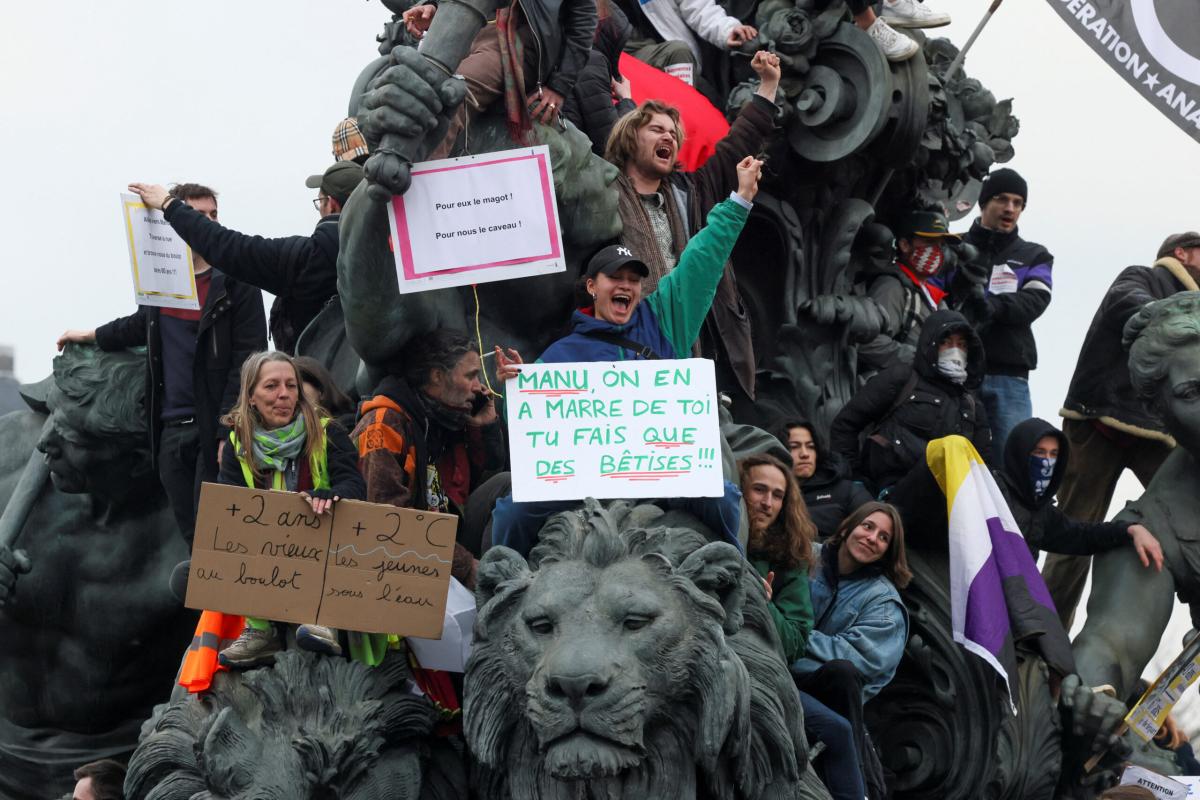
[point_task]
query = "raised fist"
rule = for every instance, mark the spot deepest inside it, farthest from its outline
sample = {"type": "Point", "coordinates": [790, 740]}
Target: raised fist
{"type": "Point", "coordinates": [12, 564]}
{"type": "Point", "coordinates": [404, 115]}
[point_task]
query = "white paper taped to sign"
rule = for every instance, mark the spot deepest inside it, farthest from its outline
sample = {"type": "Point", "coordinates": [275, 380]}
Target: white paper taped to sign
{"type": "Point", "coordinates": [1160, 786]}
{"type": "Point", "coordinates": [161, 260]}
{"type": "Point", "coordinates": [614, 430]}
{"type": "Point", "coordinates": [477, 219]}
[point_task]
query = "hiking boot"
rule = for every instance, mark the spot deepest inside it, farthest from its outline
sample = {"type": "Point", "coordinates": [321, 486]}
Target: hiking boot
{"type": "Point", "coordinates": [252, 649]}
{"type": "Point", "coordinates": [895, 46]}
{"type": "Point", "coordinates": [911, 14]}
{"type": "Point", "coordinates": [318, 639]}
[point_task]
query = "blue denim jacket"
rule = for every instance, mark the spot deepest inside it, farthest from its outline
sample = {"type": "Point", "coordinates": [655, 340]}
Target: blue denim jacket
{"type": "Point", "coordinates": [860, 619]}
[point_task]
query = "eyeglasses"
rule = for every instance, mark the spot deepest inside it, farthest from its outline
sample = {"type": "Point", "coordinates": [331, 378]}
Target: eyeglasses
{"type": "Point", "coordinates": [317, 202]}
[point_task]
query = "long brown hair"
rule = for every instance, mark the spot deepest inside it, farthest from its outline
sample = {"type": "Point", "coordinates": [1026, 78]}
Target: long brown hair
{"type": "Point", "coordinates": [787, 543]}
{"type": "Point", "coordinates": [895, 560]}
{"type": "Point", "coordinates": [622, 140]}
{"type": "Point", "coordinates": [242, 418]}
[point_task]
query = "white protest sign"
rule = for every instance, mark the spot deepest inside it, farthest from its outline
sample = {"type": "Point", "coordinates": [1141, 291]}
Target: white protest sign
{"type": "Point", "coordinates": [450, 653]}
{"type": "Point", "coordinates": [1192, 782]}
{"type": "Point", "coordinates": [161, 261]}
{"type": "Point", "coordinates": [1162, 787]}
{"type": "Point", "coordinates": [614, 430]}
{"type": "Point", "coordinates": [477, 219]}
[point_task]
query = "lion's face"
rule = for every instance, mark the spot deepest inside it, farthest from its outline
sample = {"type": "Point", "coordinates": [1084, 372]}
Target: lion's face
{"type": "Point", "coordinates": [601, 651]}
{"type": "Point", "coordinates": [606, 665]}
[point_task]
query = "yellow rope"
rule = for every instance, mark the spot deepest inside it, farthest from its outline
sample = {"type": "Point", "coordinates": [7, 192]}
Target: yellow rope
{"type": "Point", "coordinates": [479, 339]}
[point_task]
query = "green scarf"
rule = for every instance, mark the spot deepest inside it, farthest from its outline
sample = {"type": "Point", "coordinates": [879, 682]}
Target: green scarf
{"type": "Point", "coordinates": [278, 447]}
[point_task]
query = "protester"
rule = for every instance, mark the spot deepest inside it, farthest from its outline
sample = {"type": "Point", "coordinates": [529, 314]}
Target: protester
{"type": "Point", "coordinates": [193, 359]}
{"type": "Point", "coordinates": [662, 208]}
{"type": "Point", "coordinates": [901, 409]}
{"type": "Point", "coordinates": [829, 494]}
{"type": "Point", "coordinates": [280, 441]}
{"type": "Point", "coordinates": [322, 392]}
{"type": "Point", "coordinates": [1035, 458]}
{"type": "Point", "coordinates": [601, 95]}
{"type": "Point", "coordinates": [301, 271]}
{"type": "Point", "coordinates": [906, 289]}
{"type": "Point", "coordinates": [430, 435]}
{"type": "Point", "coordinates": [894, 45]}
{"type": "Point", "coordinates": [555, 36]}
{"type": "Point", "coordinates": [1017, 293]}
{"type": "Point", "coordinates": [100, 780]}
{"type": "Point", "coordinates": [1107, 425]}
{"type": "Point", "coordinates": [619, 326]}
{"type": "Point", "coordinates": [861, 625]}
{"type": "Point", "coordinates": [662, 26]}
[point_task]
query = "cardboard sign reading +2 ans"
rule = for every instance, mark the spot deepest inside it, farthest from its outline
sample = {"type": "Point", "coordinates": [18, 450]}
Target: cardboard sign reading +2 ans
{"type": "Point", "coordinates": [614, 430]}
{"type": "Point", "coordinates": [162, 262]}
{"type": "Point", "coordinates": [362, 567]}
{"type": "Point", "coordinates": [477, 219]}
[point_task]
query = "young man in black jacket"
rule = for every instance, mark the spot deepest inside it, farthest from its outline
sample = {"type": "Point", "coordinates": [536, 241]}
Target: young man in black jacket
{"type": "Point", "coordinates": [301, 271]}
{"type": "Point", "coordinates": [1017, 292]}
{"type": "Point", "coordinates": [194, 361]}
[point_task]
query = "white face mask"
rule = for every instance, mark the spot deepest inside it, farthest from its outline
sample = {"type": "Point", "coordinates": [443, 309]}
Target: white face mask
{"type": "Point", "coordinates": [952, 363]}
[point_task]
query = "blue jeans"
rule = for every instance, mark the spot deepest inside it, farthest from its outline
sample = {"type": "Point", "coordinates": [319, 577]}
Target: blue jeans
{"type": "Point", "coordinates": [517, 525]}
{"type": "Point", "coordinates": [838, 764]}
{"type": "Point", "coordinates": [1007, 401]}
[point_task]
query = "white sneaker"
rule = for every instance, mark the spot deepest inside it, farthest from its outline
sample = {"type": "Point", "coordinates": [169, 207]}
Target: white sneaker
{"type": "Point", "coordinates": [911, 14]}
{"type": "Point", "coordinates": [895, 46]}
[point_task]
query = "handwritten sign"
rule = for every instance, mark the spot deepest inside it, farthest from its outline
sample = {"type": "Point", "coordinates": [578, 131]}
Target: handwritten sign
{"type": "Point", "coordinates": [161, 261]}
{"type": "Point", "coordinates": [477, 219]}
{"type": "Point", "coordinates": [614, 430]}
{"type": "Point", "coordinates": [363, 567]}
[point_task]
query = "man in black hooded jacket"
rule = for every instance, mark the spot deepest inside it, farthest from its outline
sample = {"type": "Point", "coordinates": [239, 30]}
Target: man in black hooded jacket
{"type": "Point", "coordinates": [1035, 459]}
{"type": "Point", "coordinates": [902, 408]}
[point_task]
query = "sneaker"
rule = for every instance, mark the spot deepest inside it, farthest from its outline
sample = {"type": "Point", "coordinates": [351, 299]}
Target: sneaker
{"type": "Point", "coordinates": [252, 649]}
{"type": "Point", "coordinates": [318, 639]}
{"type": "Point", "coordinates": [895, 46]}
{"type": "Point", "coordinates": [911, 14]}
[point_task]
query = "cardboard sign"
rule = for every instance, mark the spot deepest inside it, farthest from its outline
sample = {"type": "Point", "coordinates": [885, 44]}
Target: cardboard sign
{"type": "Point", "coordinates": [477, 219]}
{"type": "Point", "coordinates": [614, 430]}
{"type": "Point", "coordinates": [161, 261]}
{"type": "Point", "coordinates": [1161, 786]}
{"type": "Point", "coordinates": [363, 567]}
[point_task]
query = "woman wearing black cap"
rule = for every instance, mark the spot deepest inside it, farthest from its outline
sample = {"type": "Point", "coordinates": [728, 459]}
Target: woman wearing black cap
{"type": "Point", "coordinates": [619, 326]}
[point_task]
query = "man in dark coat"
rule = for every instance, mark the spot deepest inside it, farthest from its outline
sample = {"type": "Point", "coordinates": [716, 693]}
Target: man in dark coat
{"type": "Point", "coordinates": [1108, 426]}
{"type": "Point", "coordinates": [195, 361]}
{"type": "Point", "coordinates": [905, 406]}
{"type": "Point", "coordinates": [829, 493]}
{"type": "Point", "coordinates": [301, 271]}
{"type": "Point", "coordinates": [662, 208]}
{"type": "Point", "coordinates": [1036, 456]}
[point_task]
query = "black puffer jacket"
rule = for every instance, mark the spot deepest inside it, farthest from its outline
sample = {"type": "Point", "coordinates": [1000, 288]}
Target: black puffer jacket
{"type": "Point", "coordinates": [903, 407]}
{"type": "Point", "coordinates": [831, 495]}
{"type": "Point", "coordinates": [1100, 388]}
{"type": "Point", "coordinates": [590, 107]}
{"type": "Point", "coordinates": [1042, 524]}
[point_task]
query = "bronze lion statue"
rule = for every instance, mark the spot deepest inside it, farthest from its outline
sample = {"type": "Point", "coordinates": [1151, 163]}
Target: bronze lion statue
{"type": "Point", "coordinates": [630, 658]}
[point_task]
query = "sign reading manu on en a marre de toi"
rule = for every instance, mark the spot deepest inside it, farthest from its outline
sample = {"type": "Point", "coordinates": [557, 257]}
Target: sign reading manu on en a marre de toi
{"type": "Point", "coordinates": [362, 567]}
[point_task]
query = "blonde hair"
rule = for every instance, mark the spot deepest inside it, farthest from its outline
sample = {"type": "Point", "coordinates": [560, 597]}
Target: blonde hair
{"type": "Point", "coordinates": [622, 140]}
{"type": "Point", "coordinates": [242, 418]}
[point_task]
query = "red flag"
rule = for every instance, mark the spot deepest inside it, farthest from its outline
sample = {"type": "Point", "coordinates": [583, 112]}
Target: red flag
{"type": "Point", "coordinates": [703, 124]}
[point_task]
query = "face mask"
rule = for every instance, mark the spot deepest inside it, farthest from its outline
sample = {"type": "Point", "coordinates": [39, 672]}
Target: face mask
{"type": "Point", "coordinates": [952, 364]}
{"type": "Point", "coordinates": [926, 258]}
{"type": "Point", "coordinates": [1041, 470]}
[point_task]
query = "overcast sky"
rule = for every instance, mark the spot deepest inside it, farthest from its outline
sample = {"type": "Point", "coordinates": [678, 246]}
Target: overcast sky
{"type": "Point", "coordinates": [243, 96]}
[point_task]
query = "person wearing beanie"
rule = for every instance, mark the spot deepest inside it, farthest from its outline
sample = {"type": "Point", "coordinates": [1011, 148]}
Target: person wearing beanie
{"type": "Point", "coordinates": [301, 271]}
{"type": "Point", "coordinates": [906, 290]}
{"type": "Point", "coordinates": [1107, 425]}
{"type": "Point", "coordinates": [1016, 291]}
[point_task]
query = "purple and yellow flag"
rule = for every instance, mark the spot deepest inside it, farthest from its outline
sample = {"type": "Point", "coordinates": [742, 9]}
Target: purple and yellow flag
{"type": "Point", "coordinates": [997, 595]}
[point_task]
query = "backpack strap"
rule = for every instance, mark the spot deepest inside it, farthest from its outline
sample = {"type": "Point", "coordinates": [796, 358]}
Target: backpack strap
{"type": "Point", "coordinates": [637, 348]}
